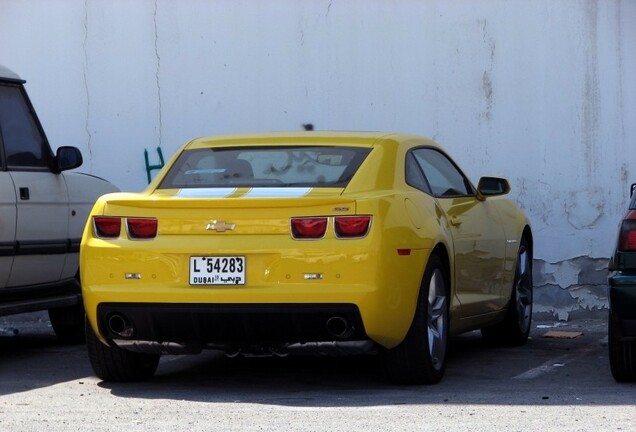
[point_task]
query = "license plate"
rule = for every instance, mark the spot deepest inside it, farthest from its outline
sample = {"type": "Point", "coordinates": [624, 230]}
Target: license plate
{"type": "Point", "coordinates": [218, 270]}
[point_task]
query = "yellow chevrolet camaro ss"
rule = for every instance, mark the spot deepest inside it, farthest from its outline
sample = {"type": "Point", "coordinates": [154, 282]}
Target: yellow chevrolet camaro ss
{"type": "Point", "coordinates": [263, 244]}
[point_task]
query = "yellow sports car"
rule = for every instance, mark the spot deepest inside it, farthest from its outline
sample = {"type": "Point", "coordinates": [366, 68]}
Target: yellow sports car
{"type": "Point", "coordinates": [263, 244]}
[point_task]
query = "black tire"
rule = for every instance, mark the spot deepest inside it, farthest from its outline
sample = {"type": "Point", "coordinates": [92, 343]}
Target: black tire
{"type": "Point", "coordinates": [421, 357]}
{"type": "Point", "coordinates": [112, 363]}
{"type": "Point", "coordinates": [68, 323]}
{"type": "Point", "coordinates": [514, 329]}
{"type": "Point", "coordinates": [622, 354]}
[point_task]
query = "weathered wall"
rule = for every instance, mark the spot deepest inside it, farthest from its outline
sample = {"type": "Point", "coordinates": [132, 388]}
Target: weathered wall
{"type": "Point", "coordinates": [541, 92]}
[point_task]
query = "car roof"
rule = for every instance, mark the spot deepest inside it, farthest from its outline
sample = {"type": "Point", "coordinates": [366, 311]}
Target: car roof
{"type": "Point", "coordinates": [362, 139]}
{"type": "Point", "coordinates": [8, 75]}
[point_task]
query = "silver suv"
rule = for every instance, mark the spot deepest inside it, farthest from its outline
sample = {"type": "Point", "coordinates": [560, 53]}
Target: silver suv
{"type": "Point", "coordinates": [42, 215]}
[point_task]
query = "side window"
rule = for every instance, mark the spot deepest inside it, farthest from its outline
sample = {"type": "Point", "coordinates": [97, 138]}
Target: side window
{"type": "Point", "coordinates": [414, 176]}
{"type": "Point", "coordinates": [443, 176]}
{"type": "Point", "coordinates": [23, 143]}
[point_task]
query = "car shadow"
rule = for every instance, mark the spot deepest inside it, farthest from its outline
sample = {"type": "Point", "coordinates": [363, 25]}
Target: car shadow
{"type": "Point", "coordinates": [32, 357]}
{"type": "Point", "coordinates": [545, 371]}
{"type": "Point", "coordinates": [477, 373]}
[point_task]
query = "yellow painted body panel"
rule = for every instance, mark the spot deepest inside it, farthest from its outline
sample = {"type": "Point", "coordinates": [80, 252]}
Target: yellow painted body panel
{"type": "Point", "coordinates": [366, 272]}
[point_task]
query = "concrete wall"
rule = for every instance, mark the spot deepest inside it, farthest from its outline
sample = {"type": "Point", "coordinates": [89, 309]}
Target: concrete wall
{"type": "Point", "coordinates": [542, 92]}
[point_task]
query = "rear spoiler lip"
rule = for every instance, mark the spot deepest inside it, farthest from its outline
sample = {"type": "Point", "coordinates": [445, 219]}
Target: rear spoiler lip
{"type": "Point", "coordinates": [233, 198]}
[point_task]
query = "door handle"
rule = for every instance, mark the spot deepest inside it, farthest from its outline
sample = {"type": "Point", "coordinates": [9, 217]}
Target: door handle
{"type": "Point", "coordinates": [24, 193]}
{"type": "Point", "coordinates": [455, 221]}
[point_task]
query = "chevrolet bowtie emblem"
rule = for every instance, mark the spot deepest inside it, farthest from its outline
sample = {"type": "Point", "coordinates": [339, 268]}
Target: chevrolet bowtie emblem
{"type": "Point", "coordinates": [220, 226]}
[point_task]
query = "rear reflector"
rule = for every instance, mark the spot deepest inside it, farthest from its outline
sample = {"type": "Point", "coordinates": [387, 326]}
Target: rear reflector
{"type": "Point", "coordinates": [107, 227]}
{"type": "Point", "coordinates": [142, 228]}
{"type": "Point", "coordinates": [308, 228]}
{"type": "Point", "coordinates": [351, 226]}
{"type": "Point", "coordinates": [627, 233]}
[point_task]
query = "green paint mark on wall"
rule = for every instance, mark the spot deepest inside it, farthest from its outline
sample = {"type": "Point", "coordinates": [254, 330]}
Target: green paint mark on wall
{"type": "Point", "coordinates": [149, 167]}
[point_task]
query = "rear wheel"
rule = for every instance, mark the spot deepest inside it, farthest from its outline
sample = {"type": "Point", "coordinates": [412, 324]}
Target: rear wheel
{"type": "Point", "coordinates": [515, 327]}
{"type": "Point", "coordinates": [68, 323]}
{"type": "Point", "coordinates": [112, 363]}
{"type": "Point", "coordinates": [622, 354]}
{"type": "Point", "coordinates": [421, 357]}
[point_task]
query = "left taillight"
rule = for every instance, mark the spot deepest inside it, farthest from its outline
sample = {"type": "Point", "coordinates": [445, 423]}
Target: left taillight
{"type": "Point", "coordinates": [107, 227]}
{"type": "Point", "coordinates": [141, 228]}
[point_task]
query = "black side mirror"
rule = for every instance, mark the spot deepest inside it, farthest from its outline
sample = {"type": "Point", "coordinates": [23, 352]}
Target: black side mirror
{"type": "Point", "coordinates": [68, 158]}
{"type": "Point", "coordinates": [632, 189]}
{"type": "Point", "coordinates": [492, 186]}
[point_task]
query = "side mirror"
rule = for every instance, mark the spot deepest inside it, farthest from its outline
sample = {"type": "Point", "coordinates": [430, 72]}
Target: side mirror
{"type": "Point", "coordinates": [68, 158]}
{"type": "Point", "coordinates": [632, 189]}
{"type": "Point", "coordinates": [493, 186]}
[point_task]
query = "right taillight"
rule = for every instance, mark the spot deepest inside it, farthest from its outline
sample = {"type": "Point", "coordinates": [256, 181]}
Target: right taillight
{"type": "Point", "coordinates": [344, 227]}
{"type": "Point", "coordinates": [107, 227]}
{"type": "Point", "coordinates": [627, 234]}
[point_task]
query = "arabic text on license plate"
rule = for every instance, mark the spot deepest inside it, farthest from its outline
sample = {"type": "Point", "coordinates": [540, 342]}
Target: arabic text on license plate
{"type": "Point", "coordinates": [220, 270]}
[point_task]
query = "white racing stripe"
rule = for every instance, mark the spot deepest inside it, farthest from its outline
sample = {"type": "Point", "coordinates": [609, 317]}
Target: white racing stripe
{"type": "Point", "coordinates": [273, 192]}
{"type": "Point", "coordinates": [261, 192]}
{"type": "Point", "coordinates": [206, 192]}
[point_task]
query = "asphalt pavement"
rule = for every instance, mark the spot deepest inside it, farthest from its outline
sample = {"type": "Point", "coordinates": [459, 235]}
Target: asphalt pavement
{"type": "Point", "coordinates": [559, 381]}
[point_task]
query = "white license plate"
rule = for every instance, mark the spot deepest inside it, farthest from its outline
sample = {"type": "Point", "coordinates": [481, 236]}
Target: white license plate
{"type": "Point", "coordinates": [217, 270]}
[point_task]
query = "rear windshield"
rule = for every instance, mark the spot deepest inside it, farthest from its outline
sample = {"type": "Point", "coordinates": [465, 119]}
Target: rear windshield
{"type": "Point", "coordinates": [316, 166]}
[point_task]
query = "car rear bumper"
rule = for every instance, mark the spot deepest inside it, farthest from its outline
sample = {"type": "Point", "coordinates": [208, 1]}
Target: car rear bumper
{"type": "Point", "coordinates": [382, 287]}
{"type": "Point", "coordinates": [238, 325]}
{"type": "Point", "coordinates": [622, 300]}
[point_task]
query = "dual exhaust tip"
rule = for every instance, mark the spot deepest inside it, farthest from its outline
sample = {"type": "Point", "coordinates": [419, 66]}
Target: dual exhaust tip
{"type": "Point", "coordinates": [120, 325]}
{"type": "Point", "coordinates": [337, 327]}
{"type": "Point", "coordinates": [340, 328]}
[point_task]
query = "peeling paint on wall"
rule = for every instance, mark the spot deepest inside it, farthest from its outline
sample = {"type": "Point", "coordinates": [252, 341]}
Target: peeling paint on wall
{"type": "Point", "coordinates": [583, 208]}
{"type": "Point", "coordinates": [487, 76]}
{"type": "Point", "coordinates": [86, 89]}
{"type": "Point", "coordinates": [591, 91]}
{"type": "Point", "coordinates": [575, 288]}
{"type": "Point", "coordinates": [158, 81]}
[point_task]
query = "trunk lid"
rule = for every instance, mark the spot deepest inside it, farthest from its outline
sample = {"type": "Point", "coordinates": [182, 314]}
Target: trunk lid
{"type": "Point", "coordinates": [233, 211]}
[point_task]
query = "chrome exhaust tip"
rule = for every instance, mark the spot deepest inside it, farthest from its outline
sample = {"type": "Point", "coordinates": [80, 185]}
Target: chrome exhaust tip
{"type": "Point", "coordinates": [120, 325]}
{"type": "Point", "coordinates": [339, 327]}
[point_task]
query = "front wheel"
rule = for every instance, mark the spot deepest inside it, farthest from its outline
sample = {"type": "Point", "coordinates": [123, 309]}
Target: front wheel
{"type": "Point", "coordinates": [515, 327]}
{"type": "Point", "coordinates": [421, 357]}
{"type": "Point", "coordinates": [112, 363]}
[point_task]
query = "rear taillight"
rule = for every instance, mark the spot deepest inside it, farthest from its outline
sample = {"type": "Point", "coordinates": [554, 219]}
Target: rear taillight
{"type": "Point", "coordinates": [309, 228]}
{"type": "Point", "coordinates": [345, 227]}
{"type": "Point", "coordinates": [351, 226]}
{"type": "Point", "coordinates": [627, 233]}
{"type": "Point", "coordinates": [141, 228]}
{"type": "Point", "coordinates": [107, 227]}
